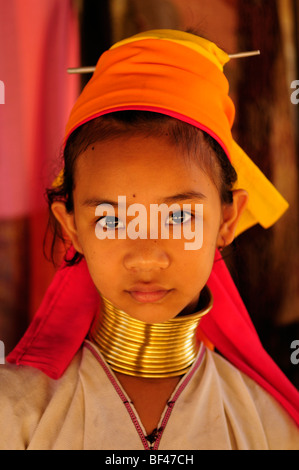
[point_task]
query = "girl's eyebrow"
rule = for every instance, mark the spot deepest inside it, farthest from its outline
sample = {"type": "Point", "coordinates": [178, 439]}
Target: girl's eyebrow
{"type": "Point", "coordinates": [188, 195]}
{"type": "Point", "coordinates": [179, 197]}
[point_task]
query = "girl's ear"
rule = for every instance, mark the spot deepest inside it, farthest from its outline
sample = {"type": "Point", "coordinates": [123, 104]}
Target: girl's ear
{"type": "Point", "coordinates": [67, 221]}
{"type": "Point", "coordinates": [230, 216]}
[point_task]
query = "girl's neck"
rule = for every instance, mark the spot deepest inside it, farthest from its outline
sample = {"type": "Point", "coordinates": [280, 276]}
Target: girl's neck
{"type": "Point", "coordinates": [140, 349]}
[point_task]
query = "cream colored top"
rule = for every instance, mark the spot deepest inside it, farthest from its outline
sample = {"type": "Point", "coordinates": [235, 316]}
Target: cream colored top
{"type": "Point", "coordinates": [213, 407]}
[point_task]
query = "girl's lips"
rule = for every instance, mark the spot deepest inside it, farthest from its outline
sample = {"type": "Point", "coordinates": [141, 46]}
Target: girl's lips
{"type": "Point", "coordinates": [146, 297]}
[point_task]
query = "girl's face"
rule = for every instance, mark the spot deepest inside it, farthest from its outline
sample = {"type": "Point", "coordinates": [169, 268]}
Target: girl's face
{"type": "Point", "coordinates": [151, 279]}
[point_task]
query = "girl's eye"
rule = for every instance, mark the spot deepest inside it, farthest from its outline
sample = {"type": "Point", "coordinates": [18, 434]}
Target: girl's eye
{"type": "Point", "coordinates": [110, 222]}
{"type": "Point", "coordinates": [179, 217]}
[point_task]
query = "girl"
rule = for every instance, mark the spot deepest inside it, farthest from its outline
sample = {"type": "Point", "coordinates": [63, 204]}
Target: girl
{"type": "Point", "coordinates": [122, 352]}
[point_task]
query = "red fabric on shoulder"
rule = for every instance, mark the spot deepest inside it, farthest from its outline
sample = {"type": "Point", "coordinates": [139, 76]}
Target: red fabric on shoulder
{"type": "Point", "coordinates": [229, 327]}
{"type": "Point", "coordinates": [61, 323]}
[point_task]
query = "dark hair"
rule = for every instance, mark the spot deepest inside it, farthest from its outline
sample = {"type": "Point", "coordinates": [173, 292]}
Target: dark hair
{"type": "Point", "coordinates": [193, 141]}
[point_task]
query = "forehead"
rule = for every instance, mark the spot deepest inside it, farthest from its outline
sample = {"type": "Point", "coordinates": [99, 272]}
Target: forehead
{"type": "Point", "coordinates": [141, 164]}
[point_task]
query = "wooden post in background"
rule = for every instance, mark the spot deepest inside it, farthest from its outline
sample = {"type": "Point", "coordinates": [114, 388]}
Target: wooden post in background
{"type": "Point", "coordinates": [267, 260]}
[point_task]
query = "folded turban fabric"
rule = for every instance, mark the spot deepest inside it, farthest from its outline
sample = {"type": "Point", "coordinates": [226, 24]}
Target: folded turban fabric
{"type": "Point", "coordinates": [180, 75]}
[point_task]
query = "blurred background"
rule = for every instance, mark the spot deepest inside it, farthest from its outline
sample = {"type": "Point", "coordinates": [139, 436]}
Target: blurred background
{"type": "Point", "coordinates": [39, 40]}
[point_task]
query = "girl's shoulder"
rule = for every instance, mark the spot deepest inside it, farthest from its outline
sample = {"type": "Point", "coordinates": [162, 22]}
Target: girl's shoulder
{"type": "Point", "coordinates": [232, 380]}
{"type": "Point", "coordinates": [248, 400]}
{"type": "Point", "coordinates": [23, 378]}
{"type": "Point", "coordinates": [19, 383]}
{"type": "Point", "coordinates": [25, 394]}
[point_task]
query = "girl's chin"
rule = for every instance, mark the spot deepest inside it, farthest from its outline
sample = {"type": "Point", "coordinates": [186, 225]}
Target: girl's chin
{"type": "Point", "coordinates": [152, 312]}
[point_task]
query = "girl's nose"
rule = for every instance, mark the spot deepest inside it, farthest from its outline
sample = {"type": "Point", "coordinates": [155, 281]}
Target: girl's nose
{"type": "Point", "coordinates": [146, 255]}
